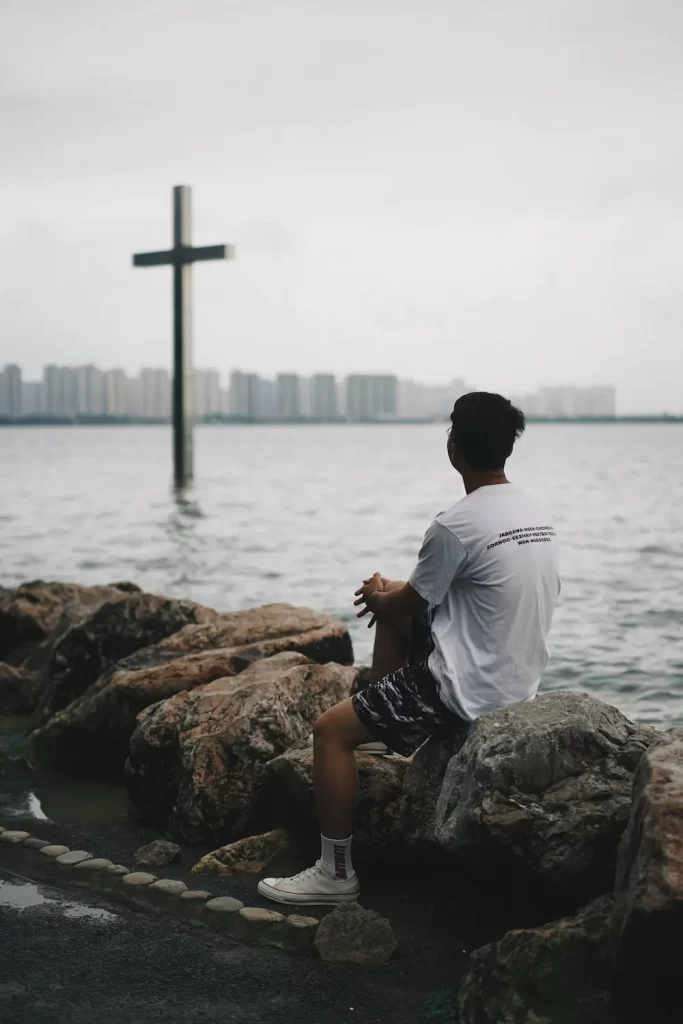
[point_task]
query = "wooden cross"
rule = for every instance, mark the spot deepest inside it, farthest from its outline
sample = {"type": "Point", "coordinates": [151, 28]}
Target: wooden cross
{"type": "Point", "coordinates": [181, 257]}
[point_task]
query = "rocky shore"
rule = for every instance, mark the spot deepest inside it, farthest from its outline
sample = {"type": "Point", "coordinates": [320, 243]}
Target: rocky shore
{"type": "Point", "coordinates": [206, 716]}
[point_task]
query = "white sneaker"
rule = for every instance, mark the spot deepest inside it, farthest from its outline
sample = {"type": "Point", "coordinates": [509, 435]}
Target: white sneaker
{"type": "Point", "coordinates": [373, 747]}
{"type": "Point", "coordinates": [312, 886]}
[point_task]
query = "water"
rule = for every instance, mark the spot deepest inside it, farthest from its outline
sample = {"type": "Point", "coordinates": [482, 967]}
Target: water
{"type": "Point", "coordinates": [301, 514]}
{"type": "Point", "coordinates": [22, 895]}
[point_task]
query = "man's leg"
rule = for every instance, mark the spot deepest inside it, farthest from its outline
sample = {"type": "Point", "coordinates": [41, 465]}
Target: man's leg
{"type": "Point", "coordinates": [335, 774]}
{"type": "Point", "coordinates": [335, 777]}
{"type": "Point", "coordinates": [393, 638]}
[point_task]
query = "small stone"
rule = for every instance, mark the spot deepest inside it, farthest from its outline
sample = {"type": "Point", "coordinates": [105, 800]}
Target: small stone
{"type": "Point", "coordinates": [13, 838]}
{"type": "Point", "coordinates": [157, 854]}
{"type": "Point", "coordinates": [118, 870]}
{"type": "Point", "coordinates": [259, 914]}
{"type": "Point", "coordinates": [300, 932]}
{"type": "Point", "coordinates": [264, 927]}
{"type": "Point", "coordinates": [54, 850]}
{"type": "Point", "coordinates": [35, 844]}
{"type": "Point", "coordinates": [73, 857]}
{"type": "Point", "coordinates": [136, 879]}
{"type": "Point", "coordinates": [224, 905]}
{"type": "Point", "coordinates": [169, 887]}
{"type": "Point", "coordinates": [195, 895]}
{"type": "Point", "coordinates": [352, 935]}
{"type": "Point", "coordinates": [93, 865]}
{"type": "Point", "coordinates": [300, 922]}
{"type": "Point", "coordinates": [1, 830]}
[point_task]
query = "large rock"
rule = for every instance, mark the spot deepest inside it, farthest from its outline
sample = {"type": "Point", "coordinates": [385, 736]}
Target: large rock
{"type": "Point", "coordinates": [422, 784]}
{"type": "Point", "coordinates": [91, 734]}
{"type": "Point", "coordinates": [113, 632]}
{"type": "Point", "coordinates": [20, 690]}
{"type": "Point", "coordinates": [197, 762]}
{"type": "Point", "coordinates": [353, 935]}
{"type": "Point", "coordinates": [648, 912]}
{"type": "Point", "coordinates": [544, 786]}
{"type": "Point", "coordinates": [33, 617]}
{"type": "Point", "coordinates": [556, 974]}
{"type": "Point", "coordinates": [378, 818]}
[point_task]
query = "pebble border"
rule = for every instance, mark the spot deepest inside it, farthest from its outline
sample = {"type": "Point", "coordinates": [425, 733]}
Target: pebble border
{"type": "Point", "coordinates": [224, 915]}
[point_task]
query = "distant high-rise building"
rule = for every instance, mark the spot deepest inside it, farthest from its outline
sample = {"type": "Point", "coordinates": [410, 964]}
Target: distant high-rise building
{"type": "Point", "coordinates": [324, 404]}
{"type": "Point", "coordinates": [61, 390]}
{"type": "Point", "coordinates": [428, 401]}
{"type": "Point", "coordinates": [117, 393]}
{"type": "Point", "coordinates": [244, 389]}
{"type": "Point", "coordinates": [288, 396]}
{"type": "Point", "coordinates": [371, 397]}
{"type": "Point", "coordinates": [90, 390]}
{"type": "Point", "coordinates": [207, 392]}
{"type": "Point", "coordinates": [32, 398]}
{"type": "Point", "coordinates": [154, 400]}
{"type": "Point", "coordinates": [10, 392]}
{"type": "Point", "coordinates": [569, 403]}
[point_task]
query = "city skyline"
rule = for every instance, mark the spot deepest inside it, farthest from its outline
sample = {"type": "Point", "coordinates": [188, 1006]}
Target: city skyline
{"type": "Point", "coordinates": [91, 391]}
{"type": "Point", "coordinates": [504, 197]}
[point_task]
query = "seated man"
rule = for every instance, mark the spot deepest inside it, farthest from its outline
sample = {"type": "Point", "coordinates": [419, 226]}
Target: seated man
{"type": "Point", "coordinates": [487, 581]}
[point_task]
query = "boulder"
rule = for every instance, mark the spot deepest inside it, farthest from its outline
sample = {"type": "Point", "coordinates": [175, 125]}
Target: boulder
{"type": "Point", "coordinates": [378, 819]}
{"type": "Point", "coordinates": [92, 733]}
{"type": "Point", "coordinates": [197, 762]}
{"type": "Point", "coordinates": [156, 854]}
{"type": "Point", "coordinates": [250, 854]}
{"type": "Point", "coordinates": [647, 925]}
{"type": "Point", "coordinates": [421, 788]}
{"type": "Point", "coordinates": [556, 974]}
{"type": "Point", "coordinates": [353, 935]}
{"type": "Point", "coordinates": [544, 786]}
{"type": "Point", "coordinates": [20, 690]}
{"type": "Point", "coordinates": [31, 614]}
{"type": "Point", "coordinates": [115, 631]}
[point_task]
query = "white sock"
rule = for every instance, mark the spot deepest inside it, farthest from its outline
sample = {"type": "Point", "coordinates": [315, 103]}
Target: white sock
{"type": "Point", "coordinates": [336, 857]}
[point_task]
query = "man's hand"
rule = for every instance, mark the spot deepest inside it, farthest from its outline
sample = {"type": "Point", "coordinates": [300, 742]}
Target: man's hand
{"type": "Point", "coordinates": [366, 596]}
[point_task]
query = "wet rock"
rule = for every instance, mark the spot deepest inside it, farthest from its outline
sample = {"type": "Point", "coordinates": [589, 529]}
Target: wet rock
{"type": "Point", "coordinates": [556, 974]}
{"type": "Point", "coordinates": [544, 786]}
{"type": "Point", "coordinates": [250, 854]}
{"type": "Point", "coordinates": [352, 935]}
{"type": "Point", "coordinates": [115, 631]}
{"type": "Point", "coordinates": [648, 913]}
{"type": "Point", "coordinates": [92, 733]}
{"type": "Point", "coordinates": [378, 812]}
{"type": "Point", "coordinates": [20, 690]}
{"type": "Point", "coordinates": [156, 854]}
{"type": "Point", "coordinates": [197, 762]}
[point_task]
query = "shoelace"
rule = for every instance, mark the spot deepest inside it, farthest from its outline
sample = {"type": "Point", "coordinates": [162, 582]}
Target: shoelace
{"type": "Point", "coordinates": [303, 876]}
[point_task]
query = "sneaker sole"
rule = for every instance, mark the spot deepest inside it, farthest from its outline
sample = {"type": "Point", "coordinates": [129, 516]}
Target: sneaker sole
{"type": "Point", "coordinates": [305, 899]}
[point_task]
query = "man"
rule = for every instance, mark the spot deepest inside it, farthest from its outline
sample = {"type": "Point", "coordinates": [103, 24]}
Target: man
{"type": "Point", "coordinates": [487, 578]}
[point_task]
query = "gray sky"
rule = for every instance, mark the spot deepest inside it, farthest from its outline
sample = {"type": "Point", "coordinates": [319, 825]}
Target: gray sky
{"type": "Point", "coordinates": [488, 189]}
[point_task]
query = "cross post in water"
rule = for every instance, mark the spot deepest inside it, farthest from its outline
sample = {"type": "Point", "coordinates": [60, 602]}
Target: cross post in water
{"type": "Point", "coordinates": [181, 257]}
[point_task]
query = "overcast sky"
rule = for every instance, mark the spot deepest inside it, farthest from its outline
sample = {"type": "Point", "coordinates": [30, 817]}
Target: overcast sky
{"type": "Point", "coordinates": [489, 189]}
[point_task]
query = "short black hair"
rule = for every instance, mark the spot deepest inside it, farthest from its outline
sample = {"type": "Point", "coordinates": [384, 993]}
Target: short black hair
{"type": "Point", "coordinates": [485, 428]}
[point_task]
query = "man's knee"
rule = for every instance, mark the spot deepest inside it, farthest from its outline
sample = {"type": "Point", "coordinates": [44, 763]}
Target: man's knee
{"type": "Point", "coordinates": [331, 729]}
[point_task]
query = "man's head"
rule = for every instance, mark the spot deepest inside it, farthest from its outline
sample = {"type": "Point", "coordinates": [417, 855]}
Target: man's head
{"type": "Point", "coordinates": [483, 432]}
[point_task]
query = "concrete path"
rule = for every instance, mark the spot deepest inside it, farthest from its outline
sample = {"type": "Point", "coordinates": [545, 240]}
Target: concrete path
{"type": "Point", "coordinates": [68, 960]}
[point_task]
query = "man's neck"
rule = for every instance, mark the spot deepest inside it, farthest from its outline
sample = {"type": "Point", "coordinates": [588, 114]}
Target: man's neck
{"type": "Point", "coordinates": [473, 481]}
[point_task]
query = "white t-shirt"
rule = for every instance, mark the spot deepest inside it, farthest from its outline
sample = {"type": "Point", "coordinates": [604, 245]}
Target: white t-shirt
{"type": "Point", "coordinates": [489, 567]}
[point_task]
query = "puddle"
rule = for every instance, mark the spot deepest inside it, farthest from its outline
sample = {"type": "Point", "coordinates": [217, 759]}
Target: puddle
{"type": "Point", "coordinates": [15, 892]}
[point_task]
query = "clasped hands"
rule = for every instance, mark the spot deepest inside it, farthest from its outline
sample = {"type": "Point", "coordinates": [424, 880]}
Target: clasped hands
{"type": "Point", "coordinates": [367, 597]}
